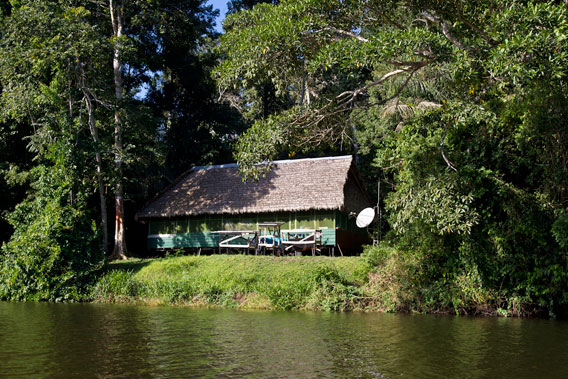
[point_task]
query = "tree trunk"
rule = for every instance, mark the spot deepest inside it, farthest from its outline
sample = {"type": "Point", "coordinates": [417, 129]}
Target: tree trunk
{"type": "Point", "coordinates": [116, 13]}
{"type": "Point", "coordinates": [99, 163]}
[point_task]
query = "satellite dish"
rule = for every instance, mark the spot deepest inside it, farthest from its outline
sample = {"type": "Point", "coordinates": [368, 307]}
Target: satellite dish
{"type": "Point", "coordinates": [365, 217]}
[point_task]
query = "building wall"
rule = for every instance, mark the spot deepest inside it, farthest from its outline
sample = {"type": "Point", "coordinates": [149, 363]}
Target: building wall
{"type": "Point", "coordinates": [355, 196]}
{"type": "Point", "coordinates": [174, 241]}
{"type": "Point", "coordinates": [197, 231]}
{"type": "Point", "coordinates": [344, 222]}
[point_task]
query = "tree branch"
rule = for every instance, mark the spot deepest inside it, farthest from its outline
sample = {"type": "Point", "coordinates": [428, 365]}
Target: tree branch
{"type": "Point", "coordinates": [410, 64]}
{"type": "Point", "coordinates": [335, 132]}
{"type": "Point", "coordinates": [356, 92]}
{"type": "Point", "coordinates": [450, 164]}
{"type": "Point", "coordinates": [445, 29]}
{"type": "Point", "coordinates": [483, 35]}
{"type": "Point", "coordinates": [345, 33]}
{"type": "Point", "coordinates": [415, 66]}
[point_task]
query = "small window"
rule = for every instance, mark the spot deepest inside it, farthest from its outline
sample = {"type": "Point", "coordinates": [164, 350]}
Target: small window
{"type": "Point", "coordinates": [325, 220]}
{"type": "Point", "coordinates": [305, 221]}
{"type": "Point", "coordinates": [197, 224]}
{"type": "Point", "coordinates": [156, 227]}
{"type": "Point", "coordinates": [215, 223]}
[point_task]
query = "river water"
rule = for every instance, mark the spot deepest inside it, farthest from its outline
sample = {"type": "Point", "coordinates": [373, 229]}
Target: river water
{"type": "Point", "coordinates": [96, 340]}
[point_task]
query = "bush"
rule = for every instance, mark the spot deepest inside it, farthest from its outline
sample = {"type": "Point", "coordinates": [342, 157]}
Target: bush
{"type": "Point", "coordinates": [376, 255]}
{"type": "Point", "coordinates": [54, 247]}
{"type": "Point", "coordinates": [415, 280]}
{"type": "Point", "coordinates": [560, 230]}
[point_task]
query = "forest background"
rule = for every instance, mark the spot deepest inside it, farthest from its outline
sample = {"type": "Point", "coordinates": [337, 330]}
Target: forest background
{"type": "Point", "coordinates": [458, 108]}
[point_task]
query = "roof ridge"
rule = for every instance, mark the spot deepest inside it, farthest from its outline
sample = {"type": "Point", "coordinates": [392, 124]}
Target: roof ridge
{"type": "Point", "coordinates": [285, 161]}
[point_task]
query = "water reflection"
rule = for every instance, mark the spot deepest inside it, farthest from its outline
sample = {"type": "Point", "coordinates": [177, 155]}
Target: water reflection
{"type": "Point", "coordinates": [75, 340]}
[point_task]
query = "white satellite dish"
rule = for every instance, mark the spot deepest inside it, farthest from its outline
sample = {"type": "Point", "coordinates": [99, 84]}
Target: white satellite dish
{"type": "Point", "coordinates": [365, 217]}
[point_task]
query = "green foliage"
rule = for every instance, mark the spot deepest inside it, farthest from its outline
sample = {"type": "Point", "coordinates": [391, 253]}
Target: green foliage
{"type": "Point", "coordinates": [54, 246]}
{"type": "Point", "coordinates": [45, 53]}
{"type": "Point", "coordinates": [376, 255]}
{"type": "Point", "coordinates": [560, 230]}
{"type": "Point", "coordinates": [258, 145]}
{"type": "Point", "coordinates": [237, 281]}
{"type": "Point", "coordinates": [460, 106]}
{"type": "Point", "coordinates": [464, 115]}
{"type": "Point", "coordinates": [173, 56]}
{"type": "Point", "coordinates": [56, 82]}
{"type": "Point", "coordinates": [414, 280]}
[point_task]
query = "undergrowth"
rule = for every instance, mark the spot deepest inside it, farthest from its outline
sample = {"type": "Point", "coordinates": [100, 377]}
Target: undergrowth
{"type": "Point", "coordinates": [407, 280]}
{"type": "Point", "coordinates": [331, 284]}
{"type": "Point", "coordinates": [384, 278]}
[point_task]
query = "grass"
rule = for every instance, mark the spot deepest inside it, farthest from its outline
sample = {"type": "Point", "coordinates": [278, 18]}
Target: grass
{"type": "Point", "coordinates": [241, 281]}
{"type": "Point", "coordinates": [382, 279]}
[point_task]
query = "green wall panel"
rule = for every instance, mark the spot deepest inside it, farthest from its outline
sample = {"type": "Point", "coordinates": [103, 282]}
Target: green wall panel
{"type": "Point", "coordinates": [174, 241]}
{"type": "Point", "coordinates": [306, 220]}
{"type": "Point", "coordinates": [196, 231]}
{"type": "Point", "coordinates": [206, 239]}
{"type": "Point", "coordinates": [328, 237]}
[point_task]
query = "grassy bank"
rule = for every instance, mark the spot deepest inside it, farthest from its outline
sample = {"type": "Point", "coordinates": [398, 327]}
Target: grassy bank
{"type": "Point", "coordinates": [383, 279]}
{"type": "Point", "coordinates": [263, 282]}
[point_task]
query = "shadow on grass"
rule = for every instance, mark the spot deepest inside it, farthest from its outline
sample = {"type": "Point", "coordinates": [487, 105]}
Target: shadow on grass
{"type": "Point", "coordinates": [131, 265]}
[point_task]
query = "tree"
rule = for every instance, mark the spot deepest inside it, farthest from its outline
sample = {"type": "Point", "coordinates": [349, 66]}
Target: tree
{"type": "Point", "coordinates": [234, 6]}
{"type": "Point", "coordinates": [183, 95]}
{"type": "Point", "coordinates": [134, 75]}
{"type": "Point", "coordinates": [77, 59]}
{"type": "Point", "coordinates": [459, 103]}
{"type": "Point", "coordinates": [163, 49]}
{"type": "Point", "coordinates": [116, 9]}
{"type": "Point", "coordinates": [75, 122]}
{"type": "Point", "coordinates": [45, 57]}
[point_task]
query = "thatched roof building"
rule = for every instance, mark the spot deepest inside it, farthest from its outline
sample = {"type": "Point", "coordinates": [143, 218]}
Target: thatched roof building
{"type": "Point", "coordinates": [330, 183]}
{"type": "Point", "coordinates": [316, 194]}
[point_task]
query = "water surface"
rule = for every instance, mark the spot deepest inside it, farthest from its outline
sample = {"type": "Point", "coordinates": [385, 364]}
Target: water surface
{"type": "Point", "coordinates": [95, 340]}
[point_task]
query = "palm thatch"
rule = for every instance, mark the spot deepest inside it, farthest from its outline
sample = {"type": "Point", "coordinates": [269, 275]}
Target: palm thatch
{"type": "Point", "coordinates": [293, 185]}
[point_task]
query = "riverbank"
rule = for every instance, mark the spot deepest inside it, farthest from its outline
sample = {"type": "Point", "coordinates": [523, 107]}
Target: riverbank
{"type": "Point", "coordinates": [237, 281]}
{"type": "Point", "coordinates": [290, 283]}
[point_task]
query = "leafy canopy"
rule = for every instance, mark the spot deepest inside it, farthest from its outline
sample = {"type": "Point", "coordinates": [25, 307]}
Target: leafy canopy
{"type": "Point", "coordinates": [461, 106]}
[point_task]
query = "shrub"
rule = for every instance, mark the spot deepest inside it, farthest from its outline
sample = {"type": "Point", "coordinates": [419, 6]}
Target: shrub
{"type": "Point", "coordinates": [54, 246]}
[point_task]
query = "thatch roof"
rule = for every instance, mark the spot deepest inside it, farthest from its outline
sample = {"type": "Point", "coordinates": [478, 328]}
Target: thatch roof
{"type": "Point", "coordinates": [293, 185]}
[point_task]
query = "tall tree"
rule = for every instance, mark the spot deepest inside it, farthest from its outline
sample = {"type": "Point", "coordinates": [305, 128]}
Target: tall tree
{"type": "Point", "coordinates": [164, 49]}
{"type": "Point", "coordinates": [160, 54]}
{"type": "Point", "coordinates": [182, 93]}
{"type": "Point", "coordinates": [43, 77]}
{"type": "Point", "coordinates": [116, 8]}
{"type": "Point", "coordinates": [93, 128]}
